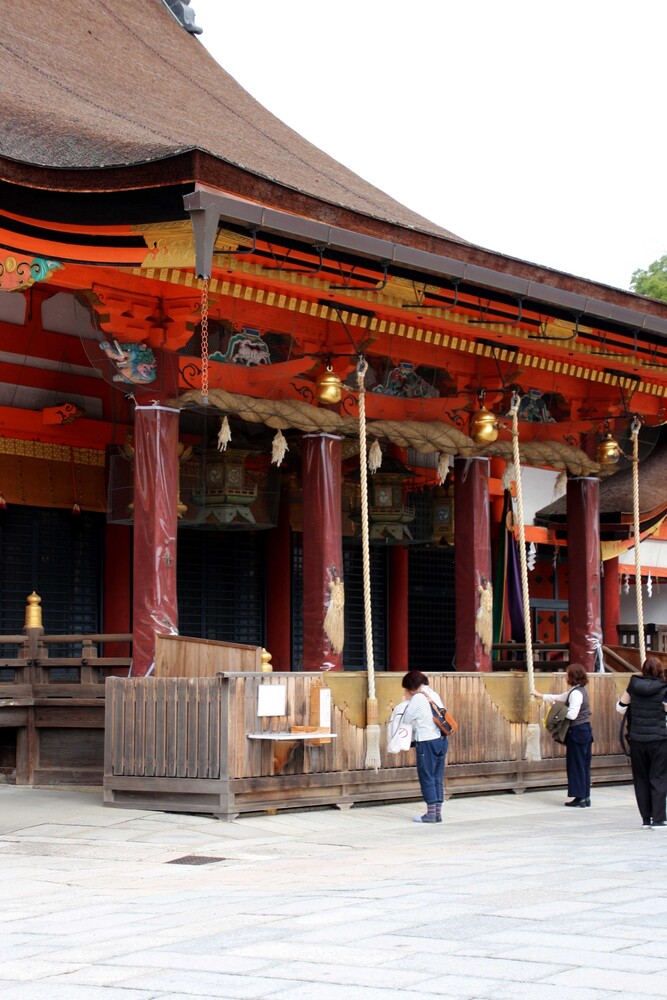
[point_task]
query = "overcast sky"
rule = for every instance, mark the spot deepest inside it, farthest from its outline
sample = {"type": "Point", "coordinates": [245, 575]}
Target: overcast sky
{"type": "Point", "coordinates": [533, 128]}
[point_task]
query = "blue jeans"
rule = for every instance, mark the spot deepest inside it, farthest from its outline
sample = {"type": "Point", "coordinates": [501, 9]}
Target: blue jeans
{"type": "Point", "coordinates": [431, 768]}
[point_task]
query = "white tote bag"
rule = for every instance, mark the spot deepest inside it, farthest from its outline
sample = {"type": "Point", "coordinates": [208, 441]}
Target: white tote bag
{"type": "Point", "coordinates": [399, 733]}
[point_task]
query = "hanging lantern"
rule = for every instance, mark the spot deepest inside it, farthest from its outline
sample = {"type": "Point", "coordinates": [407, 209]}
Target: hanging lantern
{"type": "Point", "coordinates": [329, 388]}
{"type": "Point", "coordinates": [608, 450]}
{"type": "Point", "coordinates": [483, 426]}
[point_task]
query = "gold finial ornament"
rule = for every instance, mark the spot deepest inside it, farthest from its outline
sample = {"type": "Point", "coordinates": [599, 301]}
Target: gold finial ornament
{"type": "Point", "coordinates": [483, 426]}
{"type": "Point", "coordinates": [33, 612]}
{"type": "Point", "coordinates": [329, 388]}
{"type": "Point", "coordinates": [267, 666]}
{"type": "Point", "coordinates": [608, 450]}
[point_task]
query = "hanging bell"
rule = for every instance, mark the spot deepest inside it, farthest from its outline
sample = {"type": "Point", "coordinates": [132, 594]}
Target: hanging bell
{"type": "Point", "coordinates": [483, 426]}
{"type": "Point", "coordinates": [329, 388]}
{"type": "Point", "coordinates": [608, 450]}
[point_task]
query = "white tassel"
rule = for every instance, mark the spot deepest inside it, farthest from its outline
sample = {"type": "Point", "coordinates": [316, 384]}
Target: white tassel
{"type": "Point", "coordinates": [560, 484]}
{"type": "Point", "coordinates": [445, 463]}
{"type": "Point", "coordinates": [626, 584]}
{"type": "Point", "coordinates": [374, 456]}
{"type": "Point", "coordinates": [509, 476]}
{"type": "Point", "coordinates": [649, 586]}
{"type": "Point", "coordinates": [224, 434]}
{"type": "Point", "coordinates": [531, 556]}
{"type": "Point", "coordinates": [279, 448]}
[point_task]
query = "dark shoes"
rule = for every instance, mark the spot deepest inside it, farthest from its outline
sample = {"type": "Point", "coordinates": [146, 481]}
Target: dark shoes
{"type": "Point", "coordinates": [581, 803]}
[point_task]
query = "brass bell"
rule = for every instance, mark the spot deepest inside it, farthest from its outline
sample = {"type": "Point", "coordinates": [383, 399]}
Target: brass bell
{"type": "Point", "coordinates": [483, 426]}
{"type": "Point", "coordinates": [608, 450]}
{"type": "Point", "coordinates": [329, 388]}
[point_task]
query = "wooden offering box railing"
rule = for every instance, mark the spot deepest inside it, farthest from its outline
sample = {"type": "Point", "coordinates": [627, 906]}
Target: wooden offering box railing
{"type": "Point", "coordinates": [191, 744]}
{"type": "Point", "coordinates": [52, 705]}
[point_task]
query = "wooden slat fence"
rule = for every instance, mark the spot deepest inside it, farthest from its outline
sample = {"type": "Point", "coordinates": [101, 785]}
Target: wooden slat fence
{"type": "Point", "coordinates": [184, 743]}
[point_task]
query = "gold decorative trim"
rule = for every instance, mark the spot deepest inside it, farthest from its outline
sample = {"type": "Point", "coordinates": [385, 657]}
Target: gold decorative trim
{"type": "Point", "coordinates": [293, 303]}
{"type": "Point", "coordinates": [51, 452]}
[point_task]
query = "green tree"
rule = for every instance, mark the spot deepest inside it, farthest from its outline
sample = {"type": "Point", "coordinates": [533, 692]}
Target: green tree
{"type": "Point", "coordinates": [652, 281]}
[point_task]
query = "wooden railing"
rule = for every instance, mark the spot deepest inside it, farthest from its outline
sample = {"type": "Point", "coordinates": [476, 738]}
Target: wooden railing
{"type": "Point", "coordinates": [191, 744]}
{"type": "Point", "coordinates": [52, 706]}
{"type": "Point", "coordinates": [547, 656]}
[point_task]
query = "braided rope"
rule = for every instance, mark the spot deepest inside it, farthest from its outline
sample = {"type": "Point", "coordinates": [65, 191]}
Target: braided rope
{"type": "Point", "coordinates": [365, 545]}
{"type": "Point", "coordinates": [372, 723]}
{"type": "Point", "coordinates": [533, 735]}
{"type": "Point", "coordinates": [424, 436]}
{"type": "Point", "coordinates": [641, 638]}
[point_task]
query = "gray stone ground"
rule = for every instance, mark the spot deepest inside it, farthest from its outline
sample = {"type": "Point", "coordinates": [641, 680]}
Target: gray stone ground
{"type": "Point", "coordinates": [513, 897]}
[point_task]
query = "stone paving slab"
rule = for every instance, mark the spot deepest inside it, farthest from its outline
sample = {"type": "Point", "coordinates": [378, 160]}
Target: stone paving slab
{"type": "Point", "coordinates": [361, 904]}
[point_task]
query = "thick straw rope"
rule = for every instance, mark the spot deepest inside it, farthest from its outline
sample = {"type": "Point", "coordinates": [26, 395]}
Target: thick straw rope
{"type": "Point", "coordinates": [424, 436]}
{"type": "Point", "coordinates": [372, 724]}
{"type": "Point", "coordinates": [533, 736]}
{"type": "Point", "coordinates": [641, 638]}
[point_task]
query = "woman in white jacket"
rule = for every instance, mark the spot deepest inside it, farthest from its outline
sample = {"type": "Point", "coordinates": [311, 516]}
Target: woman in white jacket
{"type": "Point", "coordinates": [431, 745]}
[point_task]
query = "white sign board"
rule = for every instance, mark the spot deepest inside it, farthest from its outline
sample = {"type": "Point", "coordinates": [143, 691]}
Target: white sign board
{"type": "Point", "coordinates": [272, 699]}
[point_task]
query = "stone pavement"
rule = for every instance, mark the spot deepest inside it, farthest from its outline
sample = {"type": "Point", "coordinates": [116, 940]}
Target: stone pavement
{"type": "Point", "coordinates": [512, 897]}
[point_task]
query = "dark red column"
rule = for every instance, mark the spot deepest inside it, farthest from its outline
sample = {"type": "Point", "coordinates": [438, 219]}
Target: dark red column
{"type": "Point", "coordinates": [117, 612]}
{"type": "Point", "coordinates": [322, 546]}
{"type": "Point", "coordinates": [155, 518]}
{"type": "Point", "coordinates": [279, 591]}
{"type": "Point", "coordinates": [611, 601]}
{"type": "Point", "coordinates": [472, 558]}
{"type": "Point", "coordinates": [398, 608]}
{"type": "Point", "coordinates": [583, 555]}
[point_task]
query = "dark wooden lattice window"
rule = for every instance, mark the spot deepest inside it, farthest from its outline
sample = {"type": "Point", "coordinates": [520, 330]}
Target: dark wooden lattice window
{"type": "Point", "coordinates": [58, 555]}
{"type": "Point", "coordinates": [355, 639]}
{"type": "Point", "coordinates": [221, 585]}
{"type": "Point", "coordinates": [431, 609]}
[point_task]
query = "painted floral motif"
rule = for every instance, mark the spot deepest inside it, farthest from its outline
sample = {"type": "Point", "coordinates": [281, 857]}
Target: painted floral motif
{"type": "Point", "coordinates": [18, 273]}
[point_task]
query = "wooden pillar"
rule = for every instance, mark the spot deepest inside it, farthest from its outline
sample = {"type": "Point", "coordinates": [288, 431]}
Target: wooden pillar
{"type": "Point", "coordinates": [322, 545]}
{"type": "Point", "coordinates": [472, 555]}
{"type": "Point", "coordinates": [583, 554]}
{"type": "Point", "coordinates": [117, 611]}
{"type": "Point", "coordinates": [611, 601]}
{"type": "Point", "coordinates": [398, 608]}
{"type": "Point", "coordinates": [279, 591]}
{"type": "Point", "coordinates": [155, 519]}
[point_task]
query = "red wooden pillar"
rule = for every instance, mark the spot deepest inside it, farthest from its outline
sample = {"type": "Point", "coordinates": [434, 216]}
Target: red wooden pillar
{"type": "Point", "coordinates": [155, 518]}
{"type": "Point", "coordinates": [583, 554]}
{"type": "Point", "coordinates": [611, 601]}
{"type": "Point", "coordinates": [398, 608]}
{"type": "Point", "coordinates": [117, 586]}
{"type": "Point", "coordinates": [322, 545]}
{"type": "Point", "coordinates": [472, 558]}
{"type": "Point", "coordinates": [279, 591]}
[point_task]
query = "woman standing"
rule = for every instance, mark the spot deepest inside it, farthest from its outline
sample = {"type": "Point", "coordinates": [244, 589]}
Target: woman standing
{"type": "Point", "coordinates": [646, 697]}
{"type": "Point", "coordinates": [431, 745]}
{"type": "Point", "coordinates": [579, 737]}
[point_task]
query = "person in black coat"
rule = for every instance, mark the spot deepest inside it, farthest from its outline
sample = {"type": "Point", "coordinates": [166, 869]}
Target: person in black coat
{"type": "Point", "coordinates": [645, 700]}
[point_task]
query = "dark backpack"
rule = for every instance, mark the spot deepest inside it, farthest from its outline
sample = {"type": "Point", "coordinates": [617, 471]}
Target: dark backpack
{"type": "Point", "coordinates": [446, 723]}
{"type": "Point", "coordinates": [556, 722]}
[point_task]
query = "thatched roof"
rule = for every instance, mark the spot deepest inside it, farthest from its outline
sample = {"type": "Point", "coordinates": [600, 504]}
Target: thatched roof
{"type": "Point", "coordinates": [97, 84]}
{"type": "Point", "coordinates": [616, 502]}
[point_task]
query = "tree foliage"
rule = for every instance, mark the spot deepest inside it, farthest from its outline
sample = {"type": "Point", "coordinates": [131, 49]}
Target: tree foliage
{"type": "Point", "coordinates": [653, 281]}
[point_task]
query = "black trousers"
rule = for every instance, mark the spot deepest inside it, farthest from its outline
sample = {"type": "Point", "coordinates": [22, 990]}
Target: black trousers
{"type": "Point", "coordinates": [649, 776]}
{"type": "Point", "coordinates": [578, 755]}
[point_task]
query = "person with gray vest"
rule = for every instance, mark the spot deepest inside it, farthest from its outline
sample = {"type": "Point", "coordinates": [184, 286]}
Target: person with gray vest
{"type": "Point", "coordinates": [579, 737]}
{"type": "Point", "coordinates": [645, 702]}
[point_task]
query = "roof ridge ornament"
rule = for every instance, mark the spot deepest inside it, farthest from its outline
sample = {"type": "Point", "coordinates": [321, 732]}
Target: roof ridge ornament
{"type": "Point", "coordinates": [185, 17]}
